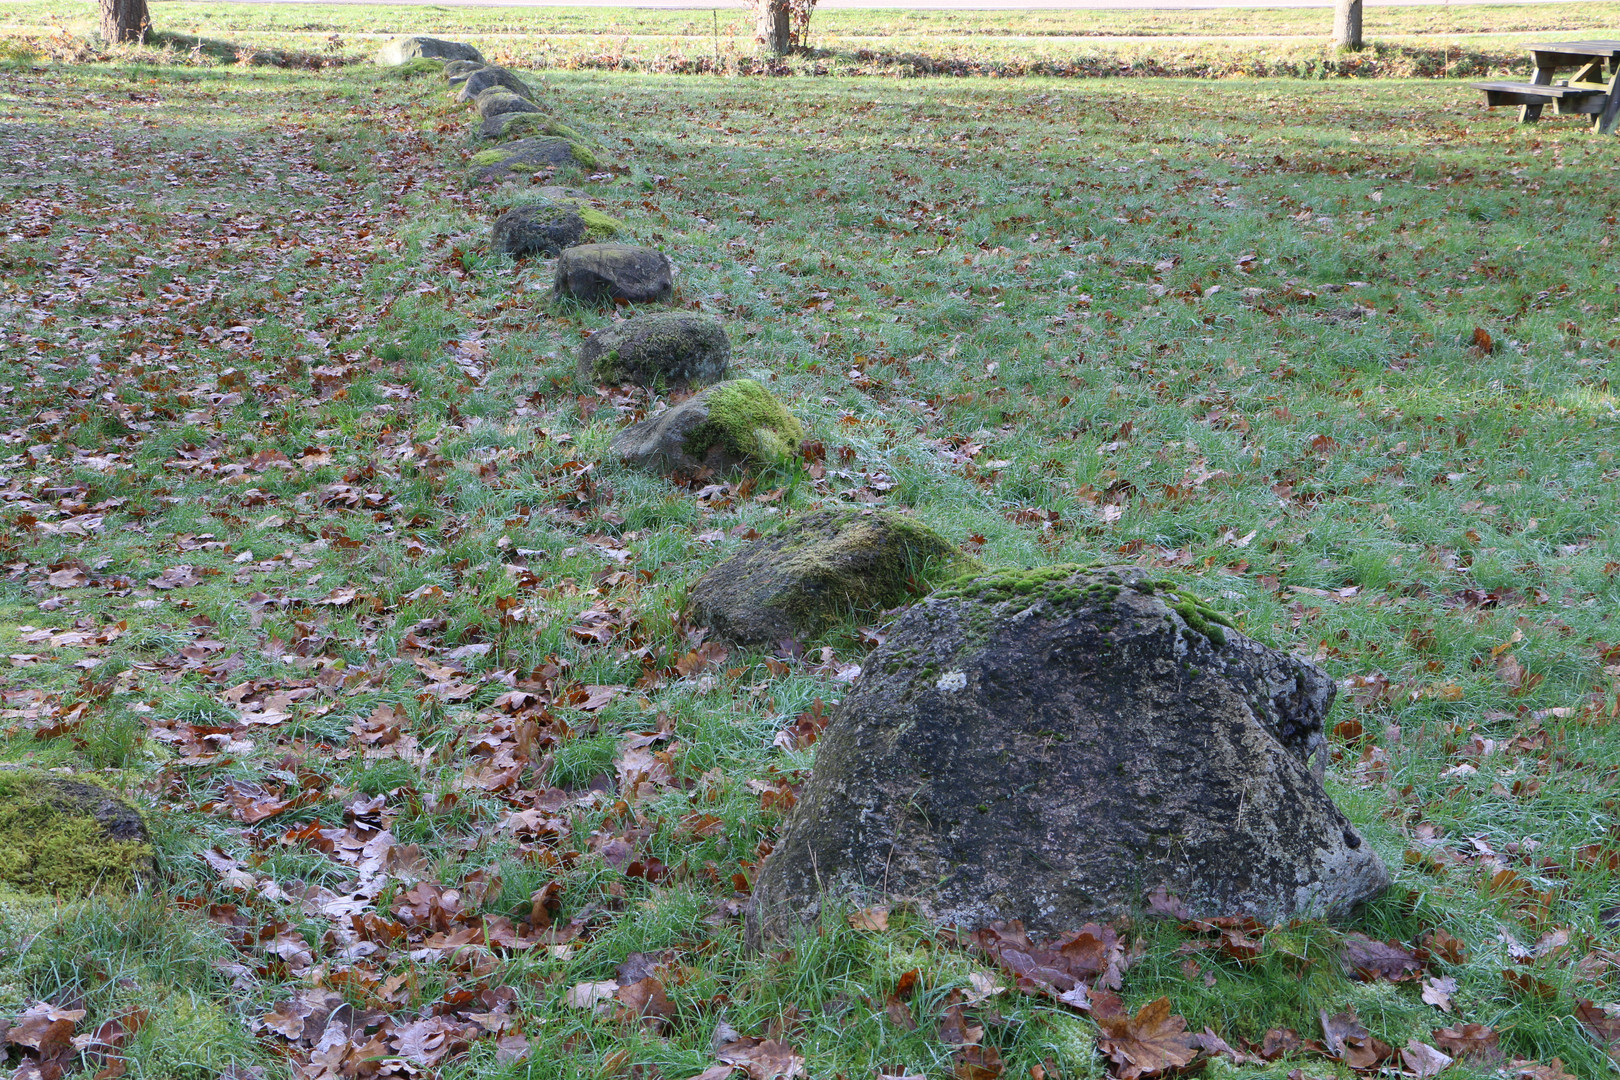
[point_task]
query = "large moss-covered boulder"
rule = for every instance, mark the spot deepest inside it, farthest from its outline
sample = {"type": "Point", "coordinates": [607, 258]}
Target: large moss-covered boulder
{"type": "Point", "coordinates": [63, 836]}
{"type": "Point", "coordinates": [660, 348]}
{"type": "Point", "coordinates": [414, 69]}
{"type": "Point", "coordinates": [525, 158]}
{"type": "Point", "coordinates": [1052, 745]}
{"type": "Point", "coordinates": [614, 274]}
{"type": "Point", "coordinates": [489, 77]}
{"type": "Point", "coordinates": [403, 50]}
{"type": "Point", "coordinates": [518, 125]}
{"type": "Point", "coordinates": [547, 227]}
{"type": "Point", "coordinates": [818, 571]}
{"type": "Point", "coordinates": [731, 425]}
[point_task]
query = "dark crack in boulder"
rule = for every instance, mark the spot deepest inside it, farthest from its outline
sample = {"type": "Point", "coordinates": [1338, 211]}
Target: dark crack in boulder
{"type": "Point", "coordinates": [614, 274]}
{"type": "Point", "coordinates": [403, 50]}
{"type": "Point", "coordinates": [661, 348]}
{"type": "Point", "coordinates": [62, 836]}
{"type": "Point", "coordinates": [1051, 745]}
{"type": "Point", "coordinates": [819, 571]}
{"type": "Point", "coordinates": [731, 425]}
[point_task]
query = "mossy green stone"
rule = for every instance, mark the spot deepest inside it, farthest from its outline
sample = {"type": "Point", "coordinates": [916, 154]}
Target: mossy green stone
{"type": "Point", "coordinates": [412, 69]}
{"type": "Point", "coordinates": [749, 422]}
{"type": "Point", "coordinates": [65, 835]}
{"type": "Point", "coordinates": [819, 571]}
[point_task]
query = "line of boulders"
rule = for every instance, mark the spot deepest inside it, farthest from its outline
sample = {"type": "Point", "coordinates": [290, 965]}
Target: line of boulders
{"type": "Point", "coordinates": [1045, 745]}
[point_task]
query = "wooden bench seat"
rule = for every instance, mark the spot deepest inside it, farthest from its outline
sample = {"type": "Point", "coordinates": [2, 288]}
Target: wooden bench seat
{"type": "Point", "coordinates": [1581, 98]}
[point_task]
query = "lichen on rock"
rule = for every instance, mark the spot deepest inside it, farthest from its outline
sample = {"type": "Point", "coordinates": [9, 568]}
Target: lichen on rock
{"type": "Point", "coordinates": [521, 158]}
{"type": "Point", "coordinates": [817, 571]}
{"type": "Point", "coordinates": [64, 835]}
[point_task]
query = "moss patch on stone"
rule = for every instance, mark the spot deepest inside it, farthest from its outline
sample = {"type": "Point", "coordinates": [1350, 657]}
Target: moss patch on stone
{"type": "Point", "coordinates": [67, 835]}
{"type": "Point", "coordinates": [521, 124]}
{"type": "Point", "coordinates": [749, 422]}
{"type": "Point", "coordinates": [819, 571]}
{"type": "Point", "coordinates": [583, 154]}
{"type": "Point", "coordinates": [489, 157]}
{"type": "Point", "coordinates": [1072, 583]}
{"type": "Point", "coordinates": [413, 69]}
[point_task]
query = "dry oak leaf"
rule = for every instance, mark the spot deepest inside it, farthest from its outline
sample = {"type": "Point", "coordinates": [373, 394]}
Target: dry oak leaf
{"type": "Point", "coordinates": [1279, 1042]}
{"type": "Point", "coordinates": [978, 1063]}
{"type": "Point", "coordinates": [762, 1059]}
{"type": "Point", "coordinates": [870, 918]}
{"type": "Point", "coordinates": [1148, 1044]}
{"type": "Point", "coordinates": [1371, 960]}
{"type": "Point", "coordinates": [1530, 1070]}
{"type": "Point", "coordinates": [1438, 991]}
{"type": "Point", "coordinates": [1351, 1043]}
{"type": "Point", "coordinates": [586, 995]}
{"type": "Point", "coordinates": [1472, 1042]}
{"type": "Point", "coordinates": [44, 1029]}
{"type": "Point", "coordinates": [1422, 1060]}
{"type": "Point", "coordinates": [1603, 1025]}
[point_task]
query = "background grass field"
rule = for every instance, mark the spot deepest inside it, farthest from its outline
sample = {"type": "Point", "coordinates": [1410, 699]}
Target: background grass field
{"type": "Point", "coordinates": [1336, 355]}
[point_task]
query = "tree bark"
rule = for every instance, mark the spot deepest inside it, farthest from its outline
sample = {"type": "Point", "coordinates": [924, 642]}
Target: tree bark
{"type": "Point", "coordinates": [124, 20]}
{"type": "Point", "coordinates": [1347, 24]}
{"type": "Point", "coordinates": [774, 29]}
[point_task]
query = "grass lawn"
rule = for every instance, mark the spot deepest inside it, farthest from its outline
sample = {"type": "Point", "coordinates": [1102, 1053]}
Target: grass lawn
{"type": "Point", "coordinates": [1438, 40]}
{"type": "Point", "coordinates": [309, 541]}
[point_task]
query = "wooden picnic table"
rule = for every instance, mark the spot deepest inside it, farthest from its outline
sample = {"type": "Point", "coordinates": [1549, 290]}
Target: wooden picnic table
{"type": "Point", "coordinates": [1584, 93]}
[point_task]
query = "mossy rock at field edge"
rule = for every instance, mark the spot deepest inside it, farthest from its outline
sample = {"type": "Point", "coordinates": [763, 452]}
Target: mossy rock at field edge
{"type": "Point", "coordinates": [546, 228]}
{"type": "Point", "coordinates": [525, 158]}
{"type": "Point", "coordinates": [518, 125]}
{"type": "Point", "coordinates": [489, 77]}
{"type": "Point", "coordinates": [731, 425]}
{"type": "Point", "coordinates": [819, 571]}
{"type": "Point", "coordinates": [413, 69]}
{"type": "Point", "coordinates": [660, 348]}
{"type": "Point", "coordinates": [60, 835]}
{"type": "Point", "coordinates": [403, 50]}
{"type": "Point", "coordinates": [1052, 746]}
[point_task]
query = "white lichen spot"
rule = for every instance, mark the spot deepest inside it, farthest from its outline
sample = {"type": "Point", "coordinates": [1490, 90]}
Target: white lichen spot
{"type": "Point", "coordinates": [951, 682]}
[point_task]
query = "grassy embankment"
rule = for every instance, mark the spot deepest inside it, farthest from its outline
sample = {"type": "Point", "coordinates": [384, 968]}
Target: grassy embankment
{"type": "Point", "coordinates": [299, 489]}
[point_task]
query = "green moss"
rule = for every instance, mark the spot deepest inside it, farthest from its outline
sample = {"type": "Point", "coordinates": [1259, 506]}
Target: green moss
{"type": "Point", "coordinates": [411, 69]}
{"type": "Point", "coordinates": [749, 422]}
{"type": "Point", "coordinates": [599, 226]}
{"type": "Point", "coordinates": [1198, 615]}
{"type": "Point", "coordinates": [1074, 583]}
{"type": "Point", "coordinates": [582, 154]}
{"type": "Point", "coordinates": [51, 840]}
{"type": "Point", "coordinates": [528, 124]}
{"type": "Point", "coordinates": [489, 157]}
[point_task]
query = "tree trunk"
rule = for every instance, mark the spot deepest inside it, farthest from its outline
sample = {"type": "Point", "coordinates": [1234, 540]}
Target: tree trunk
{"type": "Point", "coordinates": [124, 20]}
{"type": "Point", "coordinates": [1347, 24]}
{"type": "Point", "coordinates": [774, 30]}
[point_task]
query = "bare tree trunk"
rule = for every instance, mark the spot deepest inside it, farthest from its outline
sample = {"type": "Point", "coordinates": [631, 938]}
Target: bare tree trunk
{"type": "Point", "coordinates": [124, 20]}
{"type": "Point", "coordinates": [1346, 24]}
{"type": "Point", "coordinates": [774, 29]}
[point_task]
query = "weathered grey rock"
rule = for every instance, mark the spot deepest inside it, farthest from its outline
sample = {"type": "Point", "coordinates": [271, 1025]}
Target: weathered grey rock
{"type": "Point", "coordinates": [818, 571]}
{"type": "Point", "coordinates": [403, 49]}
{"type": "Point", "coordinates": [1051, 745]}
{"type": "Point", "coordinates": [547, 227]}
{"type": "Point", "coordinates": [489, 77]}
{"type": "Point", "coordinates": [730, 425]}
{"type": "Point", "coordinates": [499, 101]}
{"type": "Point", "coordinates": [517, 125]}
{"type": "Point", "coordinates": [664, 348]}
{"type": "Point", "coordinates": [456, 71]}
{"type": "Point", "coordinates": [64, 836]}
{"type": "Point", "coordinates": [525, 157]}
{"type": "Point", "coordinates": [614, 273]}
